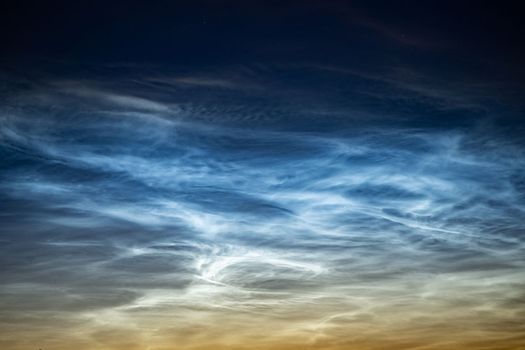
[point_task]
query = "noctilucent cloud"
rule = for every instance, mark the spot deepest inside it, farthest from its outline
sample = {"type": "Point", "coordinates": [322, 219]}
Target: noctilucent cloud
{"type": "Point", "coordinates": [262, 175]}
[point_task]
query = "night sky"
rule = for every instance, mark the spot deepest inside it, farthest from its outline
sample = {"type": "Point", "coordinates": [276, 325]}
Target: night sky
{"type": "Point", "coordinates": [266, 175]}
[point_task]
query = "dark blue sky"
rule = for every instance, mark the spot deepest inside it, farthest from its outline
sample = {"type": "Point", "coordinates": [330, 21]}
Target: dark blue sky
{"type": "Point", "coordinates": [349, 55]}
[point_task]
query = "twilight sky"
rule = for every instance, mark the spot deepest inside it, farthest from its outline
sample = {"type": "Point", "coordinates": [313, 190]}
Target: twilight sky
{"type": "Point", "coordinates": [197, 175]}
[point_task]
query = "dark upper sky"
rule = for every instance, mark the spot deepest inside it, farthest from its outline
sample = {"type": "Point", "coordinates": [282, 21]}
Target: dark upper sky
{"type": "Point", "coordinates": [458, 54]}
{"type": "Point", "coordinates": [486, 36]}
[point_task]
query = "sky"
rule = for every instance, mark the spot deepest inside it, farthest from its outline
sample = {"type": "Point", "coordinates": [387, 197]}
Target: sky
{"type": "Point", "coordinates": [197, 175]}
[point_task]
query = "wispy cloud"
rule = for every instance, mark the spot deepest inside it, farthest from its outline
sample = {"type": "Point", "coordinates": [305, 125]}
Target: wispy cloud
{"type": "Point", "coordinates": [199, 81]}
{"type": "Point", "coordinates": [407, 84]}
{"type": "Point", "coordinates": [119, 220]}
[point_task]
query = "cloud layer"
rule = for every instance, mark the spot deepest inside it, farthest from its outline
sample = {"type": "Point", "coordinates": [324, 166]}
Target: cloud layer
{"type": "Point", "coordinates": [135, 217]}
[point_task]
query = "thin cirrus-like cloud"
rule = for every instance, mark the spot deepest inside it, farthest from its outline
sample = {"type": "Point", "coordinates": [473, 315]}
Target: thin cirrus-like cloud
{"type": "Point", "coordinates": [130, 213]}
